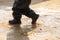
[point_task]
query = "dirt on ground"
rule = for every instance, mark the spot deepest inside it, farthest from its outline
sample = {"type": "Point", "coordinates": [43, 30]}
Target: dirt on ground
{"type": "Point", "coordinates": [47, 27]}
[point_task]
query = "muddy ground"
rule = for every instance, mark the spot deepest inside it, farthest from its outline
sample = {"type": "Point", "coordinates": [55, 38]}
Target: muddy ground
{"type": "Point", "coordinates": [48, 23]}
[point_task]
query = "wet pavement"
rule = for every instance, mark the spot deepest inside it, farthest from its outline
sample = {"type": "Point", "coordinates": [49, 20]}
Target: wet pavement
{"type": "Point", "coordinates": [47, 28]}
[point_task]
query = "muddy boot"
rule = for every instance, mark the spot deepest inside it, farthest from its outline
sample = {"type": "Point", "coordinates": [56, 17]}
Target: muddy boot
{"type": "Point", "coordinates": [12, 22]}
{"type": "Point", "coordinates": [34, 19]}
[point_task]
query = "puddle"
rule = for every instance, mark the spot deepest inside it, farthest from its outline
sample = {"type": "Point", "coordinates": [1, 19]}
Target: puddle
{"type": "Point", "coordinates": [48, 28]}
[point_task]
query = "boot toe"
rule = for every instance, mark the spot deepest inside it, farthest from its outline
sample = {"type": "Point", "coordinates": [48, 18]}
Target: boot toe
{"type": "Point", "coordinates": [13, 22]}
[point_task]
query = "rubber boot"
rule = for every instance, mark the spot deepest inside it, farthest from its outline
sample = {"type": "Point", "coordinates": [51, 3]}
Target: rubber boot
{"type": "Point", "coordinates": [34, 19]}
{"type": "Point", "coordinates": [16, 20]}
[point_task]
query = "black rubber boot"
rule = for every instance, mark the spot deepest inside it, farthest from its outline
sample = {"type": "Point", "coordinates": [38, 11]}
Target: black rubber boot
{"type": "Point", "coordinates": [13, 22]}
{"type": "Point", "coordinates": [34, 19]}
{"type": "Point", "coordinates": [17, 18]}
{"type": "Point", "coordinates": [31, 14]}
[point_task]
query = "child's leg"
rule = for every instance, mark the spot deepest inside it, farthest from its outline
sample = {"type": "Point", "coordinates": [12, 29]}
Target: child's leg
{"type": "Point", "coordinates": [16, 14]}
{"type": "Point", "coordinates": [31, 14]}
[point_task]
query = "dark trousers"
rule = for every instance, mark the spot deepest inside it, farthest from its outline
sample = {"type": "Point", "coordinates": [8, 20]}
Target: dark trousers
{"type": "Point", "coordinates": [22, 8]}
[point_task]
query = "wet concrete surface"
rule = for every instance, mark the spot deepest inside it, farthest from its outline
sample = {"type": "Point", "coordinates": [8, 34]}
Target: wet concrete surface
{"type": "Point", "coordinates": [47, 28]}
{"type": "Point", "coordinates": [10, 2]}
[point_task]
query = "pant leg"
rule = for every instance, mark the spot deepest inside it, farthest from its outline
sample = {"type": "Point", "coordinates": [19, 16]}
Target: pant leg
{"type": "Point", "coordinates": [17, 15]}
{"type": "Point", "coordinates": [20, 4]}
{"type": "Point", "coordinates": [29, 12]}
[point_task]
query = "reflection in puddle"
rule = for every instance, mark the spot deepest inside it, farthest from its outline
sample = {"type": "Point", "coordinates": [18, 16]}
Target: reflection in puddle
{"type": "Point", "coordinates": [18, 33]}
